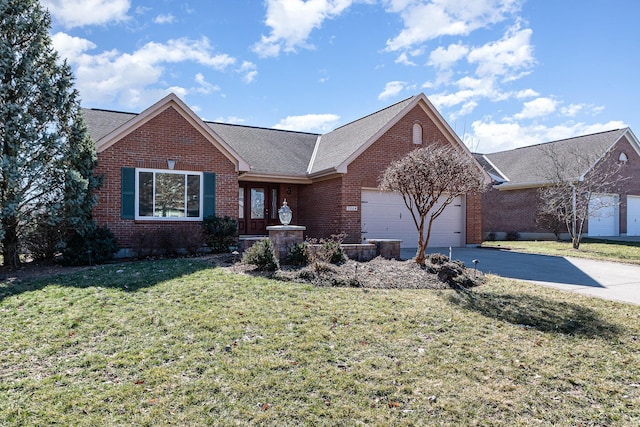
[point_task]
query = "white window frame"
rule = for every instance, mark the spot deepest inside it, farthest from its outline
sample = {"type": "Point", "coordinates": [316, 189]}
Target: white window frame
{"type": "Point", "coordinates": [417, 131]}
{"type": "Point", "coordinates": [165, 218]}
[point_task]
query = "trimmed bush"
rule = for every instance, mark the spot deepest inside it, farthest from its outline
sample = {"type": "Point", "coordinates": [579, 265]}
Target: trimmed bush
{"type": "Point", "coordinates": [220, 233]}
{"type": "Point", "coordinates": [261, 255]}
{"type": "Point", "coordinates": [96, 247]}
{"type": "Point", "coordinates": [298, 254]}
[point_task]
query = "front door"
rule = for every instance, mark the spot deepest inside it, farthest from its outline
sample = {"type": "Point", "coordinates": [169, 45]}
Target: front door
{"type": "Point", "coordinates": [258, 208]}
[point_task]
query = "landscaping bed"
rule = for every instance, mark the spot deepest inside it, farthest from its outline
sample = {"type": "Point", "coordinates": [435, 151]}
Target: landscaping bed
{"type": "Point", "coordinates": [379, 273]}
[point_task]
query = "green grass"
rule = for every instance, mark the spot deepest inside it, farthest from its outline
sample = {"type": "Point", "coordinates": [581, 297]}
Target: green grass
{"type": "Point", "coordinates": [628, 252]}
{"type": "Point", "coordinates": [178, 342]}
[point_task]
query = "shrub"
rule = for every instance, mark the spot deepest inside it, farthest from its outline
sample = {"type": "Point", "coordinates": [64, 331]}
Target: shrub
{"type": "Point", "coordinates": [438, 259]}
{"type": "Point", "coordinates": [220, 233]}
{"type": "Point", "coordinates": [328, 251]}
{"type": "Point", "coordinates": [98, 246]}
{"type": "Point", "coordinates": [261, 255]}
{"type": "Point", "coordinates": [45, 241]}
{"type": "Point", "coordinates": [298, 254]}
{"type": "Point", "coordinates": [512, 236]}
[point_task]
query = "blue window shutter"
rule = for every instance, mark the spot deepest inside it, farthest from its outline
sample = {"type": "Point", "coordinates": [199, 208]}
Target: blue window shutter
{"type": "Point", "coordinates": [128, 191]}
{"type": "Point", "coordinates": [209, 190]}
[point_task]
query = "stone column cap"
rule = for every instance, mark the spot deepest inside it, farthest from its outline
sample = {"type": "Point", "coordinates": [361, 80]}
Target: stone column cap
{"type": "Point", "coordinates": [286, 228]}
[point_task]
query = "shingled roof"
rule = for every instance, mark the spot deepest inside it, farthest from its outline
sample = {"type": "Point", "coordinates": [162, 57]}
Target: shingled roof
{"type": "Point", "coordinates": [272, 152]}
{"type": "Point", "coordinates": [339, 145]}
{"type": "Point", "coordinates": [528, 166]}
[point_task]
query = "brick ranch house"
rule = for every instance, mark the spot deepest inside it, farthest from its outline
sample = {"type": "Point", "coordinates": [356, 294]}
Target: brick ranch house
{"type": "Point", "coordinates": [512, 204]}
{"type": "Point", "coordinates": [166, 169]}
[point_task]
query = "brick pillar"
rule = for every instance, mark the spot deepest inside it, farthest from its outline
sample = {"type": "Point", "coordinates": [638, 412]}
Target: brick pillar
{"type": "Point", "coordinates": [283, 237]}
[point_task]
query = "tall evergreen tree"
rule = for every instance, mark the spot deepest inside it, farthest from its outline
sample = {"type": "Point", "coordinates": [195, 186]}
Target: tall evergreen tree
{"type": "Point", "coordinates": [47, 158]}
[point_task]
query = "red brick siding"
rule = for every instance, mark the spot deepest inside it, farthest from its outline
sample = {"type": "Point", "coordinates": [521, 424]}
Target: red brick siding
{"type": "Point", "coordinates": [366, 170]}
{"type": "Point", "coordinates": [319, 208]}
{"type": "Point", "coordinates": [511, 211]}
{"type": "Point", "coordinates": [630, 183]}
{"type": "Point", "coordinates": [166, 136]}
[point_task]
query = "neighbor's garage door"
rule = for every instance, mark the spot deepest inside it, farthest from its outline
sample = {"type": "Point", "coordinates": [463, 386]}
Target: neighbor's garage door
{"type": "Point", "coordinates": [633, 215]}
{"type": "Point", "coordinates": [385, 216]}
{"type": "Point", "coordinates": [604, 215]}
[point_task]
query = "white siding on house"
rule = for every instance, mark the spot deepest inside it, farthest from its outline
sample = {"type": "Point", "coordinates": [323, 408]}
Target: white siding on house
{"type": "Point", "coordinates": [633, 215]}
{"type": "Point", "coordinates": [604, 215]}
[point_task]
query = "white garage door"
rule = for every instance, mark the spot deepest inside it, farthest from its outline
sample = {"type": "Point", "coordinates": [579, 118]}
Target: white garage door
{"type": "Point", "coordinates": [385, 216]}
{"type": "Point", "coordinates": [633, 215]}
{"type": "Point", "coordinates": [604, 215]}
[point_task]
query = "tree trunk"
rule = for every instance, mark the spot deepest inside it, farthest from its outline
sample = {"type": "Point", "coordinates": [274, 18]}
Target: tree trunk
{"type": "Point", "coordinates": [422, 245]}
{"type": "Point", "coordinates": [575, 242]}
{"type": "Point", "coordinates": [10, 244]}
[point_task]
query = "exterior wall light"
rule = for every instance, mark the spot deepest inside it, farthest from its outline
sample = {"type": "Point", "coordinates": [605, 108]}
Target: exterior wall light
{"type": "Point", "coordinates": [284, 213]}
{"type": "Point", "coordinates": [171, 164]}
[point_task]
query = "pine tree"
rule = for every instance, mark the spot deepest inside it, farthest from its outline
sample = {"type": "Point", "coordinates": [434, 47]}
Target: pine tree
{"type": "Point", "coordinates": [47, 158]}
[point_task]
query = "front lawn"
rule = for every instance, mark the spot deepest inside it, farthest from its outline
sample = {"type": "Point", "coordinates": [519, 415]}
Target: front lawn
{"type": "Point", "coordinates": [628, 252]}
{"type": "Point", "coordinates": [178, 342]}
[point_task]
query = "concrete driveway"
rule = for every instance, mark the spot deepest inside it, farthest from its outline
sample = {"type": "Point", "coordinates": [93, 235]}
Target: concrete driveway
{"type": "Point", "coordinates": [609, 280]}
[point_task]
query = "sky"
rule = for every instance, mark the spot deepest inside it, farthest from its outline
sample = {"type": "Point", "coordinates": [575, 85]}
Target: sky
{"type": "Point", "coordinates": [503, 73]}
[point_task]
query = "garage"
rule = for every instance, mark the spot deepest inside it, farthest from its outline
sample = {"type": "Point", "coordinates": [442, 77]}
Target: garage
{"type": "Point", "coordinates": [385, 216]}
{"type": "Point", "coordinates": [604, 215]}
{"type": "Point", "coordinates": [633, 215]}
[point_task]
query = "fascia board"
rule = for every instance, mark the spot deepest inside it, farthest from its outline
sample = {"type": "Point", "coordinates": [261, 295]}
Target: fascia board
{"type": "Point", "coordinates": [172, 100]}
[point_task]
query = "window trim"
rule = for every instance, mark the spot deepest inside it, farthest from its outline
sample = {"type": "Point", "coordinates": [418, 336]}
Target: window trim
{"type": "Point", "coordinates": [137, 215]}
{"type": "Point", "coordinates": [417, 133]}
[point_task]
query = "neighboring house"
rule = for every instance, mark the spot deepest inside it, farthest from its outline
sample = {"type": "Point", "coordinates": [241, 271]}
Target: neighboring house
{"type": "Point", "coordinates": [165, 169]}
{"type": "Point", "coordinates": [512, 205]}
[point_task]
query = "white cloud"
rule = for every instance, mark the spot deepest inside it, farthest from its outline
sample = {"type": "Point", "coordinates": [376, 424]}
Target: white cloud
{"type": "Point", "coordinates": [403, 58]}
{"type": "Point", "coordinates": [132, 78]}
{"type": "Point", "coordinates": [79, 13]}
{"type": "Point", "coordinates": [164, 19]}
{"type": "Point", "coordinates": [506, 56]}
{"type": "Point", "coordinates": [249, 71]}
{"type": "Point", "coordinates": [469, 89]}
{"type": "Point", "coordinates": [526, 93]}
{"type": "Point", "coordinates": [425, 21]}
{"type": "Point", "coordinates": [205, 87]}
{"type": "Point", "coordinates": [70, 47]}
{"type": "Point", "coordinates": [492, 137]}
{"type": "Point", "coordinates": [321, 123]}
{"type": "Point", "coordinates": [292, 21]}
{"type": "Point", "coordinates": [537, 108]}
{"type": "Point", "coordinates": [445, 58]}
{"type": "Point", "coordinates": [391, 89]}
{"type": "Point", "coordinates": [230, 119]}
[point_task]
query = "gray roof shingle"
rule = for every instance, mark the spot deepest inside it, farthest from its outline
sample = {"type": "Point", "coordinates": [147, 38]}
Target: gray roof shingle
{"type": "Point", "coordinates": [273, 151]}
{"type": "Point", "coordinates": [338, 145]}
{"type": "Point", "coordinates": [530, 165]}
{"type": "Point", "coordinates": [269, 151]}
{"type": "Point", "coordinates": [102, 122]}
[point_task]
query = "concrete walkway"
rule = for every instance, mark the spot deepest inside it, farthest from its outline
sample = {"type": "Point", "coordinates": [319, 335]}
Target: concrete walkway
{"type": "Point", "coordinates": [608, 280]}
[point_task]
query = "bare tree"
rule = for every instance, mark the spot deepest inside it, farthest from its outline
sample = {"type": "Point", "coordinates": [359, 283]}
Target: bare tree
{"type": "Point", "coordinates": [429, 179]}
{"type": "Point", "coordinates": [575, 176]}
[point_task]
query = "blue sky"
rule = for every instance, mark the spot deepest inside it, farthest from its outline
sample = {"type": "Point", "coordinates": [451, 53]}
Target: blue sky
{"type": "Point", "coordinates": [503, 73]}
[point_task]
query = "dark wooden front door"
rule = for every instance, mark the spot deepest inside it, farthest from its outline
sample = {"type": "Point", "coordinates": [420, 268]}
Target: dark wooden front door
{"type": "Point", "coordinates": [258, 208]}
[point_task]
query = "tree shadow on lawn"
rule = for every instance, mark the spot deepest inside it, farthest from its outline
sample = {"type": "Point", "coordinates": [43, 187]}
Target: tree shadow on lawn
{"type": "Point", "coordinates": [129, 276]}
{"type": "Point", "coordinates": [532, 311]}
